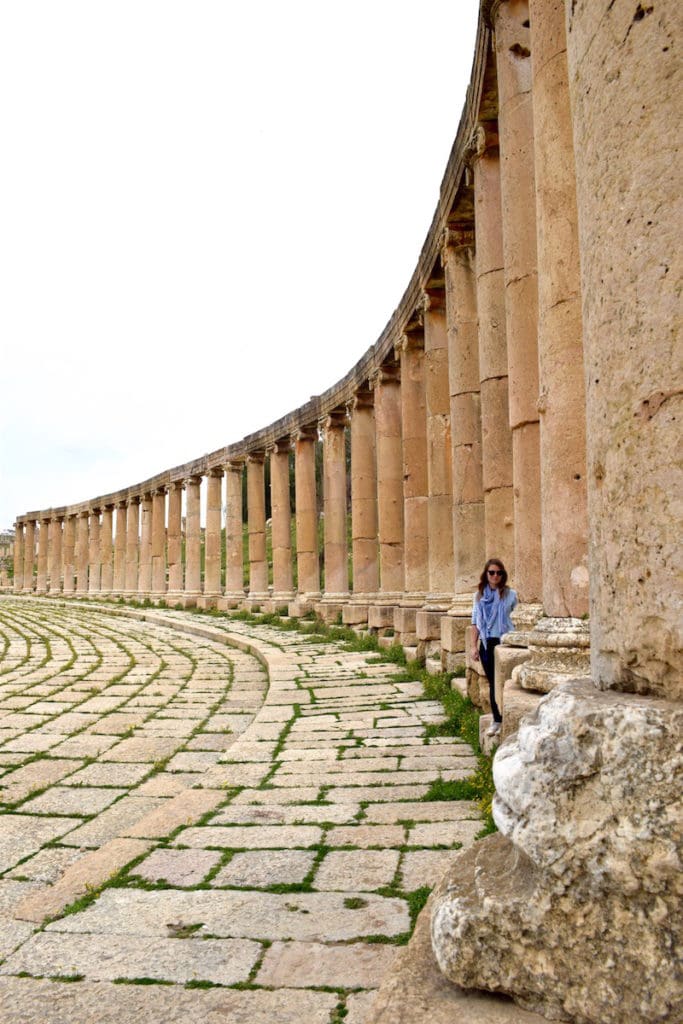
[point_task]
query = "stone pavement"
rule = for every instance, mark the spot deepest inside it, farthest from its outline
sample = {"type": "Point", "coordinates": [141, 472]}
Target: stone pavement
{"type": "Point", "coordinates": [192, 831]}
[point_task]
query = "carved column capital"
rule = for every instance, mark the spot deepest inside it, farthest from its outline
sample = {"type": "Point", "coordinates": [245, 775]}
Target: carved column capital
{"type": "Point", "coordinates": [483, 138]}
{"type": "Point", "coordinates": [309, 432]}
{"type": "Point", "coordinates": [335, 420]}
{"type": "Point", "coordinates": [388, 373]}
{"type": "Point", "coordinates": [362, 399]}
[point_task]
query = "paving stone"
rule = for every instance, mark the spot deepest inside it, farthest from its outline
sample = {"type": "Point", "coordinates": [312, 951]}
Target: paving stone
{"type": "Point", "coordinates": [185, 808]}
{"type": "Point", "coordinates": [344, 768]}
{"type": "Point", "coordinates": [258, 869]}
{"type": "Point", "coordinates": [117, 724]}
{"type": "Point", "coordinates": [140, 749]}
{"type": "Point", "coordinates": [360, 778]}
{"type": "Point", "coordinates": [193, 761]}
{"type": "Point", "coordinates": [210, 741]}
{"type": "Point", "coordinates": [239, 913]}
{"type": "Point", "coordinates": [77, 800]}
{"type": "Point", "coordinates": [18, 784]}
{"type": "Point", "coordinates": [424, 867]}
{"type": "Point", "coordinates": [306, 964]}
{"type": "Point", "coordinates": [32, 742]}
{"type": "Point", "coordinates": [259, 837]}
{"type": "Point", "coordinates": [437, 810]}
{"type": "Point", "coordinates": [356, 870]}
{"type": "Point", "coordinates": [168, 783]}
{"type": "Point", "coordinates": [48, 865]}
{"type": "Point", "coordinates": [346, 794]}
{"type": "Point", "coordinates": [111, 774]}
{"type": "Point", "coordinates": [366, 835]}
{"type": "Point", "coordinates": [279, 796]}
{"type": "Point", "coordinates": [83, 746]}
{"type": "Point", "coordinates": [358, 1006]}
{"type": "Point", "coordinates": [287, 814]}
{"type": "Point", "coordinates": [112, 822]}
{"type": "Point", "coordinates": [23, 834]}
{"type": "Point", "coordinates": [177, 867]}
{"type": "Point", "coordinates": [235, 775]}
{"type": "Point", "coordinates": [444, 833]}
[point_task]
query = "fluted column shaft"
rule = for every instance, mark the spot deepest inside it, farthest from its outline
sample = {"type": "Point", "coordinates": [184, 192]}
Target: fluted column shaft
{"type": "Point", "coordinates": [308, 567]}
{"type": "Point", "coordinates": [364, 495]}
{"type": "Point", "coordinates": [18, 557]}
{"type": "Point", "coordinates": [193, 537]}
{"type": "Point", "coordinates": [119, 580]}
{"type": "Point", "coordinates": [256, 518]}
{"type": "Point", "coordinates": [234, 546]}
{"type": "Point", "coordinates": [158, 543]}
{"type": "Point", "coordinates": [334, 497]}
{"type": "Point", "coordinates": [495, 420]}
{"type": "Point", "coordinates": [106, 552]}
{"type": "Point", "coordinates": [174, 539]}
{"type": "Point", "coordinates": [465, 399]}
{"type": "Point", "coordinates": [389, 481]}
{"type": "Point", "coordinates": [439, 468]}
{"type": "Point", "coordinates": [415, 474]}
{"type": "Point", "coordinates": [94, 565]}
{"type": "Point", "coordinates": [69, 554]}
{"type": "Point", "coordinates": [29, 554]}
{"type": "Point", "coordinates": [55, 554]}
{"type": "Point", "coordinates": [82, 551]}
{"type": "Point", "coordinates": [132, 545]}
{"type": "Point", "coordinates": [282, 520]}
{"type": "Point", "coordinates": [564, 502]}
{"type": "Point", "coordinates": [41, 577]}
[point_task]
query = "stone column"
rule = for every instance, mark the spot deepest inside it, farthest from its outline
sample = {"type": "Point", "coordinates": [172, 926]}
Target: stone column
{"type": "Point", "coordinates": [94, 566]}
{"type": "Point", "coordinates": [193, 542]}
{"type": "Point", "coordinates": [18, 557]}
{"type": "Point", "coordinates": [212, 539]}
{"type": "Point", "coordinates": [106, 551]}
{"type": "Point", "coordinates": [234, 544]}
{"type": "Point", "coordinates": [145, 564]}
{"type": "Point", "coordinates": [41, 576]}
{"type": "Point", "coordinates": [132, 545]}
{"type": "Point", "coordinates": [458, 259]}
{"type": "Point", "coordinates": [55, 554]}
{"type": "Point", "coordinates": [82, 552]}
{"type": "Point", "coordinates": [308, 569]}
{"type": "Point", "coordinates": [495, 420]}
{"type": "Point", "coordinates": [364, 544]}
{"type": "Point", "coordinates": [334, 496]}
{"type": "Point", "coordinates": [158, 544]}
{"type": "Point", "coordinates": [69, 554]}
{"type": "Point", "coordinates": [387, 389]}
{"type": "Point", "coordinates": [29, 555]}
{"type": "Point", "coordinates": [516, 130]}
{"type": "Point", "coordinates": [256, 520]}
{"type": "Point", "coordinates": [281, 512]}
{"type": "Point", "coordinates": [119, 580]}
{"type": "Point", "coordinates": [174, 543]}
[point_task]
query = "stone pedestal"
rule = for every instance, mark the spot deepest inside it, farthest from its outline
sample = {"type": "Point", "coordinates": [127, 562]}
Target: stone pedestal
{"type": "Point", "coordinates": [355, 613]}
{"type": "Point", "coordinates": [132, 528]}
{"type": "Point", "coordinates": [559, 650]}
{"type": "Point", "coordinates": [106, 550]}
{"type": "Point", "coordinates": [363, 497]}
{"type": "Point", "coordinates": [381, 618]}
{"type": "Point", "coordinates": [405, 625]}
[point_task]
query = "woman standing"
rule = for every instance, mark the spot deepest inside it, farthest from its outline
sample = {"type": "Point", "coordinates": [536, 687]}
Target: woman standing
{"type": "Point", "coordinates": [493, 602]}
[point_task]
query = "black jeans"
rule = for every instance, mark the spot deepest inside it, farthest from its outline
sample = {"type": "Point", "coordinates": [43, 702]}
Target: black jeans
{"type": "Point", "coordinates": [486, 656]}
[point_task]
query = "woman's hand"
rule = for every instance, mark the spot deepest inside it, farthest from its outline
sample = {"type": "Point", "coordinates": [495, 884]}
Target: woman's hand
{"type": "Point", "coordinates": [475, 654]}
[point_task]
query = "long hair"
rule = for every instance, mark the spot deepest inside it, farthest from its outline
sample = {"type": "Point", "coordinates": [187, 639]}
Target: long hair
{"type": "Point", "coordinates": [483, 579]}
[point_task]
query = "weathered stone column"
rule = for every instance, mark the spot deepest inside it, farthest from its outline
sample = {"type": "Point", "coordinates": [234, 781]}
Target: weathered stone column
{"type": "Point", "coordinates": [119, 580]}
{"type": "Point", "coordinates": [516, 131]}
{"type": "Point", "coordinates": [69, 554]}
{"type": "Point", "coordinates": [234, 557]}
{"type": "Point", "coordinates": [439, 475]}
{"type": "Point", "coordinates": [256, 520]}
{"type": "Point", "coordinates": [145, 565]}
{"type": "Point", "coordinates": [174, 594]}
{"type": "Point", "coordinates": [18, 557]}
{"type": "Point", "coordinates": [364, 544]}
{"type": "Point", "coordinates": [158, 544]}
{"type": "Point", "coordinates": [193, 542]}
{"type": "Point", "coordinates": [55, 554]}
{"type": "Point", "coordinates": [387, 387]}
{"type": "Point", "coordinates": [334, 496]}
{"type": "Point", "coordinates": [212, 539]}
{"type": "Point", "coordinates": [29, 555]}
{"type": "Point", "coordinates": [495, 420]}
{"type": "Point", "coordinates": [458, 259]}
{"type": "Point", "coordinates": [106, 550]}
{"type": "Point", "coordinates": [308, 566]}
{"type": "Point", "coordinates": [94, 566]}
{"type": "Point", "coordinates": [82, 552]}
{"type": "Point", "coordinates": [281, 513]}
{"type": "Point", "coordinates": [132, 545]}
{"type": "Point", "coordinates": [41, 576]}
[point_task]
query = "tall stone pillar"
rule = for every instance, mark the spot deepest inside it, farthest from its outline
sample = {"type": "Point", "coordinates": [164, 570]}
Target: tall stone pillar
{"type": "Point", "coordinates": [212, 539]}
{"type": "Point", "coordinates": [158, 544]}
{"type": "Point", "coordinates": [41, 576]}
{"type": "Point", "coordinates": [234, 544]}
{"type": "Point", "coordinates": [119, 580]}
{"type": "Point", "coordinates": [193, 541]}
{"type": "Point", "coordinates": [493, 363]}
{"type": "Point", "coordinates": [132, 546]}
{"type": "Point", "coordinates": [29, 554]}
{"type": "Point", "coordinates": [256, 519]}
{"type": "Point", "coordinates": [387, 387]}
{"type": "Point", "coordinates": [364, 543]}
{"type": "Point", "coordinates": [106, 550]}
{"type": "Point", "coordinates": [55, 554]}
{"type": "Point", "coordinates": [145, 564]}
{"type": "Point", "coordinates": [281, 513]}
{"type": "Point", "coordinates": [18, 557]}
{"type": "Point", "coordinates": [69, 554]}
{"type": "Point", "coordinates": [459, 263]}
{"type": "Point", "coordinates": [516, 131]}
{"type": "Point", "coordinates": [82, 553]}
{"type": "Point", "coordinates": [94, 566]}
{"type": "Point", "coordinates": [334, 497]}
{"type": "Point", "coordinates": [175, 544]}
{"type": "Point", "coordinates": [308, 567]}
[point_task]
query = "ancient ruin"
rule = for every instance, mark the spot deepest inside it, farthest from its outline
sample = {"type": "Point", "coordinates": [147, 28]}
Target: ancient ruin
{"type": "Point", "coordinates": [521, 402]}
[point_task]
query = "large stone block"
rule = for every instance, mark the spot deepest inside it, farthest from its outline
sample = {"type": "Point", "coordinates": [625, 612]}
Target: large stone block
{"type": "Point", "coordinates": [506, 659]}
{"type": "Point", "coordinates": [428, 625]}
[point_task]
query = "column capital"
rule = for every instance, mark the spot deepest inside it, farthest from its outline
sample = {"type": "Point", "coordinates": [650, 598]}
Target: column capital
{"type": "Point", "coordinates": [434, 300]}
{"type": "Point", "coordinates": [337, 419]}
{"type": "Point", "coordinates": [216, 471]}
{"type": "Point", "coordinates": [45, 517]}
{"type": "Point", "coordinates": [457, 238]}
{"type": "Point", "coordinates": [309, 432]}
{"type": "Point", "coordinates": [194, 478]}
{"type": "Point", "coordinates": [161, 489]}
{"type": "Point", "coordinates": [83, 514]}
{"type": "Point", "coordinates": [280, 447]}
{"type": "Point", "coordinates": [57, 517]}
{"type": "Point", "coordinates": [388, 373]}
{"type": "Point", "coordinates": [132, 499]}
{"type": "Point", "coordinates": [234, 465]}
{"type": "Point", "coordinates": [255, 458]}
{"type": "Point", "coordinates": [362, 399]}
{"type": "Point", "coordinates": [483, 138]}
{"type": "Point", "coordinates": [176, 485]}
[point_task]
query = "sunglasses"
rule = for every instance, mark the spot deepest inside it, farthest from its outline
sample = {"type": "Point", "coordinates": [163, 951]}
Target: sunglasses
{"type": "Point", "coordinates": [495, 572]}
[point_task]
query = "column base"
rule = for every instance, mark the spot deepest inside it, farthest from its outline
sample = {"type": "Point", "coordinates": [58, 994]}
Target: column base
{"type": "Point", "coordinates": [207, 601]}
{"type": "Point", "coordinates": [231, 601]}
{"type": "Point", "coordinates": [405, 629]}
{"type": "Point", "coordinates": [381, 619]}
{"type": "Point", "coordinates": [329, 611]}
{"type": "Point", "coordinates": [355, 614]}
{"type": "Point", "coordinates": [559, 650]}
{"type": "Point", "coordinates": [278, 603]}
{"type": "Point", "coordinates": [428, 628]}
{"type": "Point", "coordinates": [255, 600]}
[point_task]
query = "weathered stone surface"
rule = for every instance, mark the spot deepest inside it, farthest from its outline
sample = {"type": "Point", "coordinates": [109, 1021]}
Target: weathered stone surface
{"type": "Point", "coordinates": [177, 867]}
{"type": "Point", "coordinates": [587, 775]}
{"type": "Point", "coordinates": [257, 837]}
{"type": "Point", "coordinates": [361, 870]}
{"type": "Point", "coordinates": [263, 868]}
{"type": "Point", "coordinates": [183, 809]}
{"type": "Point", "coordinates": [22, 834]}
{"type": "Point", "coordinates": [84, 800]}
{"type": "Point", "coordinates": [438, 810]}
{"type": "Point", "coordinates": [306, 964]}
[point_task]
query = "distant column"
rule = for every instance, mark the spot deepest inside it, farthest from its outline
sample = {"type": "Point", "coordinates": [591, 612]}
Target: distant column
{"type": "Point", "coordinates": [212, 538]}
{"type": "Point", "coordinates": [364, 543]}
{"type": "Point", "coordinates": [389, 483]}
{"type": "Point", "coordinates": [55, 554]}
{"type": "Point", "coordinates": [193, 541]}
{"type": "Point", "coordinates": [234, 543]}
{"type": "Point", "coordinates": [281, 512]}
{"type": "Point", "coordinates": [119, 582]}
{"type": "Point", "coordinates": [334, 497]}
{"type": "Point", "coordinates": [18, 557]}
{"type": "Point", "coordinates": [94, 566]}
{"type": "Point", "coordinates": [41, 577]}
{"type": "Point", "coordinates": [106, 552]}
{"type": "Point", "coordinates": [82, 554]}
{"type": "Point", "coordinates": [145, 565]}
{"type": "Point", "coordinates": [69, 554]}
{"type": "Point", "coordinates": [256, 518]}
{"type": "Point", "coordinates": [174, 543]}
{"type": "Point", "coordinates": [308, 566]}
{"type": "Point", "coordinates": [132, 545]}
{"type": "Point", "coordinates": [158, 544]}
{"type": "Point", "coordinates": [415, 478]}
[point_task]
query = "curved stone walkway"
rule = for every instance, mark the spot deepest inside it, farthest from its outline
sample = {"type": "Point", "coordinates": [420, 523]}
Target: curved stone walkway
{"type": "Point", "coordinates": [192, 831]}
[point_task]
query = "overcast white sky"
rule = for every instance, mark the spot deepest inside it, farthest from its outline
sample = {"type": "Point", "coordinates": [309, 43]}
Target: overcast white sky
{"type": "Point", "coordinates": [208, 212]}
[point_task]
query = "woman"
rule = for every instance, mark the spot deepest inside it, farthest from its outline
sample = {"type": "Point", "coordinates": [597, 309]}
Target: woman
{"type": "Point", "coordinates": [493, 602]}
